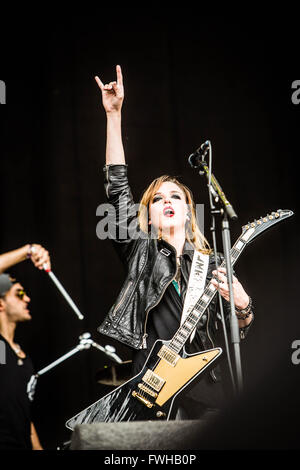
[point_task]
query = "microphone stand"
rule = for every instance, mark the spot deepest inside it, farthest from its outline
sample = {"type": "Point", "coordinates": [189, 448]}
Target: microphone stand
{"type": "Point", "coordinates": [196, 160]}
{"type": "Point", "coordinates": [85, 342]}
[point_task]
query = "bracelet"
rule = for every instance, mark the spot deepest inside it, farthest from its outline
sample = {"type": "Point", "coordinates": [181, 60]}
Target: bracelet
{"type": "Point", "coordinates": [29, 252]}
{"type": "Point", "coordinates": [244, 313]}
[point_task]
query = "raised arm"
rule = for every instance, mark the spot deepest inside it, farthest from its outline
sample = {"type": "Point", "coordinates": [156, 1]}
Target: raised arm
{"type": "Point", "coordinates": [112, 99]}
{"type": "Point", "coordinates": [37, 253]}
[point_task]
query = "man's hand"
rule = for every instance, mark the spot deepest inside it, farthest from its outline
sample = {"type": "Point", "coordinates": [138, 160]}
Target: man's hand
{"type": "Point", "coordinates": [39, 256]}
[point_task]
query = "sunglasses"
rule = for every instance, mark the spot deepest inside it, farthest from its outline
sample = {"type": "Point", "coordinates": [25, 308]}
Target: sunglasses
{"type": "Point", "coordinates": [21, 294]}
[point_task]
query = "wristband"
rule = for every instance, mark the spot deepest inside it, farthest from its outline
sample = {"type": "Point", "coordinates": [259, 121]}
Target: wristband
{"type": "Point", "coordinates": [244, 313]}
{"type": "Point", "coordinates": [30, 251]}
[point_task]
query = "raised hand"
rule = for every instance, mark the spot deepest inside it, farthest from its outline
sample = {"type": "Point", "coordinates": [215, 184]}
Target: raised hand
{"type": "Point", "coordinates": [112, 93]}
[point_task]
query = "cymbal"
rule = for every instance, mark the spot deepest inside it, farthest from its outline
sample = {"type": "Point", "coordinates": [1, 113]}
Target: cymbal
{"type": "Point", "coordinates": [115, 375]}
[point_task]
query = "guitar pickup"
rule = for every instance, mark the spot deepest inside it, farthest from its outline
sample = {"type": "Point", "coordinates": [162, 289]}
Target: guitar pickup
{"type": "Point", "coordinates": [168, 355]}
{"type": "Point", "coordinates": [153, 380]}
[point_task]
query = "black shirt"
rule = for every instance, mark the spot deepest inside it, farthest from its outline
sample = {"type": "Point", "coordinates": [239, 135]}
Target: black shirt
{"type": "Point", "coordinates": [15, 415]}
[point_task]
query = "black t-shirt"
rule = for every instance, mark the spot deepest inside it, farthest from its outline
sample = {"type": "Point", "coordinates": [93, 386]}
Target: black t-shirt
{"type": "Point", "coordinates": [15, 415]}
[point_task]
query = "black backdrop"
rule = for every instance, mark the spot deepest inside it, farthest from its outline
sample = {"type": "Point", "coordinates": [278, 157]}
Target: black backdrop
{"type": "Point", "coordinates": [186, 80]}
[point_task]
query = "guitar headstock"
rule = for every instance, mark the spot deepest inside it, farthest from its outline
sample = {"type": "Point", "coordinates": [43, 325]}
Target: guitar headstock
{"type": "Point", "coordinates": [255, 228]}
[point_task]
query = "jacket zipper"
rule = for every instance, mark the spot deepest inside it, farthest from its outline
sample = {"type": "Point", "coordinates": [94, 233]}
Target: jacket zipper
{"type": "Point", "coordinates": [107, 181]}
{"type": "Point", "coordinates": [123, 296]}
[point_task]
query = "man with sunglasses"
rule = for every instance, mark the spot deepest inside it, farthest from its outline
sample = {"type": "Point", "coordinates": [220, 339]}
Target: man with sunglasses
{"type": "Point", "coordinates": [16, 369]}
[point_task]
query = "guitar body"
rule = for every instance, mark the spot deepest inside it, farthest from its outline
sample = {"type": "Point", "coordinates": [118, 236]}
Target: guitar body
{"type": "Point", "coordinates": [151, 394]}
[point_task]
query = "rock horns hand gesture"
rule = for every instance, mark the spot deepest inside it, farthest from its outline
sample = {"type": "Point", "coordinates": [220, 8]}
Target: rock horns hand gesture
{"type": "Point", "coordinates": [112, 93]}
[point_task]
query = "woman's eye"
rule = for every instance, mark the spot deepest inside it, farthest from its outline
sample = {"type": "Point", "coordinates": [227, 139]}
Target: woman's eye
{"type": "Point", "coordinates": [176, 196]}
{"type": "Point", "coordinates": [156, 198]}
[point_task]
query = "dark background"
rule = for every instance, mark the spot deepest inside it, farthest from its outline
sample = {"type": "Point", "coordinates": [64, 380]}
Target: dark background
{"type": "Point", "coordinates": [187, 79]}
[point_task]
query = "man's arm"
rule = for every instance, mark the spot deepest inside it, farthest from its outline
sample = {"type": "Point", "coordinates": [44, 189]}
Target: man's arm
{"type": "Point", "coordinates": [38, 255]}
{"type": "Point", "coordinates": [36, 445]}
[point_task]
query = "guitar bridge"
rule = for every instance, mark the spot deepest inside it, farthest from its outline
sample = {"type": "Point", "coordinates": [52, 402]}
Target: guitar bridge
{"type": "Point", "coordinates": [142, 399]}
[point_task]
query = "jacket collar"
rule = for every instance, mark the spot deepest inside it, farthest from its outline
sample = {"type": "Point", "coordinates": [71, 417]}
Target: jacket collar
{"type": "Point", "coordinates": [188, 249]}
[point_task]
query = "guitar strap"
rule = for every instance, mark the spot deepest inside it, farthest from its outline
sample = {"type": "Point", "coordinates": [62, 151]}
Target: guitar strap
{"type": "Point", "coordinates": [196, 285]}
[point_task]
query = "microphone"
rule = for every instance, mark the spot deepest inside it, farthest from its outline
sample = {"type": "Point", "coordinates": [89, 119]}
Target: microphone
{"type": "Point", "coordinates": [197, 157]}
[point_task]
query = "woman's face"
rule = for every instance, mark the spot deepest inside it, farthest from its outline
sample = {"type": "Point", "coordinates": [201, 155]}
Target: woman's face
{"type": "Point", "coordinates": [168, 208]}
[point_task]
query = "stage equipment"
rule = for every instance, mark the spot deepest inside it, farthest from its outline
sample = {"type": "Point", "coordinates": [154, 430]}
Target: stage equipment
{"type": "Point", "coordinates": [141, 435]}
{"type": "Point", "coordinates": [114, 375]}
{"type": "Point", "coordinates": [85, 342]}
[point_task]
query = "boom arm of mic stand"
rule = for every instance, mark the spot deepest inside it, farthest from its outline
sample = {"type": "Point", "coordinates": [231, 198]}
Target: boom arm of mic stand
{"type": "Point", "coordinates": [218, 191]}
{"type": "Point", "coordinates": [85, 343]}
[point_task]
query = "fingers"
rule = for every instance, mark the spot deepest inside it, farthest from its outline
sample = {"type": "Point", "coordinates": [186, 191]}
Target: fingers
{"type": "Point", "coordinates": [115, 85]}
{"type": "Point", "coordinates": [241, 298]}
{"type": "Point", "coordinates": [119, 75]}
{"type": "Point", "coordinates": [99, 83]}
{"type": "Point", "coordinates": [110, 86]}
{"type": "Point", "coordinates": [221, 274]}
{"type": "Point", "coordinates": [40, 257]}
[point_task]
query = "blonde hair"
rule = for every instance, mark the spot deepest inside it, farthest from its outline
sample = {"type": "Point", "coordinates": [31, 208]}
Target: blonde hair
{"type": "Point", "coordinates": [193, 233]}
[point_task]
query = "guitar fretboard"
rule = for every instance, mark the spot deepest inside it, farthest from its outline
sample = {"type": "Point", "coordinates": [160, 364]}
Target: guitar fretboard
{"type": "Point", "coordinates": [193, 318]}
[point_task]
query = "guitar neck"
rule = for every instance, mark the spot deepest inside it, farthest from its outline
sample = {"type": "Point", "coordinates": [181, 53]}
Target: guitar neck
{"type": "Point", "coordinates": [194, 316]}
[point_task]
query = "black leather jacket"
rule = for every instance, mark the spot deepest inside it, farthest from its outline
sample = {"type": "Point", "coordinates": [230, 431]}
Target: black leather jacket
{"type": "Point", "coordinates": [150, 265]}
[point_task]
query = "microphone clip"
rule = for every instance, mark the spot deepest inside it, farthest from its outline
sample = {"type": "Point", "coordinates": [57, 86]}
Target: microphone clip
{"type": "Point", "coordinates": [197, 158]}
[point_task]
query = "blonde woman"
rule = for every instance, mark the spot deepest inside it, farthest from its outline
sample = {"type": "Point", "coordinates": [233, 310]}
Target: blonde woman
{"type": "Point", "coordinates": [158, 264]}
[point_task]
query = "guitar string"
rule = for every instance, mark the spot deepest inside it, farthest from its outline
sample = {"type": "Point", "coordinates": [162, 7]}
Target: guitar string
{"type": "Point", "coordinates": [191, 317]}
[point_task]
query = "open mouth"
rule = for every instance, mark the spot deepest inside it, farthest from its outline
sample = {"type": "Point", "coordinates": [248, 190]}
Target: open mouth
{"type": "Point", "coordinates": [169, 212]}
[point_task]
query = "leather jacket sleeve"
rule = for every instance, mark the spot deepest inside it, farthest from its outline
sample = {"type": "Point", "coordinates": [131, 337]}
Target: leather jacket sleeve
{"type": "Point", "coordinates": [124, 222]}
